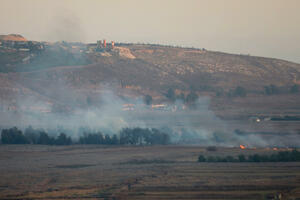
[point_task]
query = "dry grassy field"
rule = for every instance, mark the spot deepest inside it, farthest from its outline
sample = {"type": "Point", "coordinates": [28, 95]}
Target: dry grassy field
{"type": "Point", "coordinates": [156, 172]}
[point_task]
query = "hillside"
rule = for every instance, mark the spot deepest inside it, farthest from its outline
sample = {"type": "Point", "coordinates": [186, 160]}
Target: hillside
{"type": "Point", "coordinates": [66, 75]}
{"type": "Point", "coordinates": [13, 37]}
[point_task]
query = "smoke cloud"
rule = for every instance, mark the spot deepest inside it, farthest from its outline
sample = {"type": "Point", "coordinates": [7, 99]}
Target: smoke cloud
{"type": "Point", "coordinates": [111, 113]}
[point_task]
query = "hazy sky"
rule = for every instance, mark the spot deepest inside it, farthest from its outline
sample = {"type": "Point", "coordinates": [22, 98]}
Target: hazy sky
{"type": "Point", "coordinates": [259, 27]}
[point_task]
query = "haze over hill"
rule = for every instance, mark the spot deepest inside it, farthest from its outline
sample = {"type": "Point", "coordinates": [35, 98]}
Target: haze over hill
{"type": "Point", "coordinates": [264, 28]}
{"type": "Point", "coordinates": [70, 75]}
{"type": "Point", "coordinates": [149, 99]}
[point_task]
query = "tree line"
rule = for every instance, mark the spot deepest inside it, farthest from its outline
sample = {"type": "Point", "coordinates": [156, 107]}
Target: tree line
{"type": "Point", "coordinates": [282, 156]}
{"type": "Point", "coordinates": [271, 89]}
{"type": "Point", "coordinates": [32, 136]}
{"type": "Point", "coordinates": [188, 99]}
{"type": "Point", "coordinates": [127, 136]}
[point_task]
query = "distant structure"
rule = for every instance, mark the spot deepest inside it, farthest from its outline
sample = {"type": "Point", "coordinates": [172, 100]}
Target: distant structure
{"type": "Point", "coordinates": [30, 46]}
{"type": "Point", "coordinates": [104, 43]}
{"type": "Point", "coordinates": [112, 44]}
{"type": "Point", "coordinates": [101, 46]}
{"type": "Point", "coordinates": [17, 42]}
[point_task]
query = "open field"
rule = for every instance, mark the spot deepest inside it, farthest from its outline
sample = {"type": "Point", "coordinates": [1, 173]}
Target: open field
{"type": "Point", "coordinates": [156, 172]}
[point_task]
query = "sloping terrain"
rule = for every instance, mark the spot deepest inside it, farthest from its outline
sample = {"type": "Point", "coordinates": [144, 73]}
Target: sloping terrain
{"type": "Point", "coordinates": [160, 68]}
{"type": "Point", "coordinates": [66, 74]}
{"type": "Point", "coordinates": [13, 37]}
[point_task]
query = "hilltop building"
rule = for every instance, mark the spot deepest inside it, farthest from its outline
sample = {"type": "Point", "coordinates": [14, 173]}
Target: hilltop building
{"type": "Point", "coordinates": [101, 46]}
{"type": "Point", "coordinates": [31, 46]}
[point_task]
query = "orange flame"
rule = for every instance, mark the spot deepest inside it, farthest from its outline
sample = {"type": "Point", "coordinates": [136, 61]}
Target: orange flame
{"type": "Point", "coordinates": [242, 147]}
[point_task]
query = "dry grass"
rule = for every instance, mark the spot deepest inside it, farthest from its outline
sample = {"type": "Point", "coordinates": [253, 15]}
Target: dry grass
{"type": "Point", "coordinates": [158, 172]}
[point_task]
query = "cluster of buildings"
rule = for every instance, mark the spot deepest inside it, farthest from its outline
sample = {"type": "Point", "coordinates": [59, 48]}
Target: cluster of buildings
{"type": "Point", "coordinates": [27, 46]}
{"type": "Point", "coordinates": [100, 46]}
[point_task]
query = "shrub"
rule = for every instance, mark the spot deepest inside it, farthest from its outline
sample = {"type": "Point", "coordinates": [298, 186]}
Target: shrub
{"type": "Point", "coordinates": [240, 92]}
{"type": "Point", "coordinates": [294, 89]}
{"type": "Point", "coordinates": [211, 148]}
{"type": "Point", "coordinates": [241, 158]}
{"type": "Point", "coordinates": [171, 94]}
{"type": "Point", "coordinates": [191, 98]}
{"type": "Point", "coordinates": [45, 139]}
{"type": "Point", "coordinates": [283, 156]}
{"type": "Point", "coordinates": [271, 89]}
{"type": "Point", "coordinates": [148, 100]}
{"type": "Point", "coordinates": [62, 139]}
{"type": "Point", "coordinates": [201, 158]}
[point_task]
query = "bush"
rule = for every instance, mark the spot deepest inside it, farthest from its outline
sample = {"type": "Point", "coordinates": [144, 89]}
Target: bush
{"type": "Point", "coordinates": [241, 158]}
{"type": "Point", "coordinates": [294, 89]}
{"type": "Point", "coordinates": [62, 139]}
{"type": "Point", "coordinates": [271, 89]}
{"type": "Point", "coordinates": [45, 139]}
{"type": "Point", "coordinates": [211, 148]}
{"type": "Point", "coordinates": [138, 136]}
{"type": "Point", "coordinates": [191, 98]}
{"type": "Point", "coordinates": [92, 138]}
{"type": "Point", "coordinates": [201, 158]}
{"type": "Point", "coordinates": [240, 92]}
{"type": "Point", "coordinates": [148, 100]}
{"type": "Point", "coordinates": [171, 94]}
{"type": "Point", "coordinates": [31, 135]}
{"type": "Point", "coordinates": [283, 156]}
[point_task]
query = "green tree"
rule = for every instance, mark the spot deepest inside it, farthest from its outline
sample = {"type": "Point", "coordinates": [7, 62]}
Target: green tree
{"type": "Point", "coordinates": [271, 89]}
{"type": "Point", "coordinates": [242, 158]}
{"type": "Point", "coordinates": [62, 139]}
{"type": "Point", "coordinates": [294, 89]}
{"type": "Point", "coordinates": [13, 136]}
{"type": "Point", "coordinates": [191, 98]}
{"type": "Point", "coordinates": [201, 158]}
{"type": "Point", "coordinates": [148, 100]}
{"type": "Point", "coordinates": [171, 94]}
{"type": "Point", "coordinates": [44, 139]}
{"type": "Point", "coordinates": [181, 96]}
{"type": "Point", "coordinates": [240, 92]}
{"type": "Point", "coordinates": [114, 139]}
{"type": "Point", "coordinates": [107, 139]}
{"type": "Point", "coordinates": [32, 135]}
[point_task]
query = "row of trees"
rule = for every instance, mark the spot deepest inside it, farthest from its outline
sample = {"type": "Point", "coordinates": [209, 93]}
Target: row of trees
{"type": "Point", "coordinates": [139, 136]}
{"type": "Point", "coordinates": [268, 90]}
{"type": "Point", "coordinates": [189, 99]}
{"type": "Point", "coordinates": [282, 156]}
{"type": "Point", "coordinates": [16, 136]}
{"type": "Point", "coordinates": [239, 91]}
{"type": "Point", "coordinates": [127, 136]}
{"type": "Point", "coordinates": [273, 89]}
{"type": "Point", "coordinates": [98, 138]}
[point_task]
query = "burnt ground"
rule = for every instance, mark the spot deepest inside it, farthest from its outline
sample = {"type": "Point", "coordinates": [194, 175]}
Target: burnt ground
{"type": "Point", "coordinates": [157, 172]}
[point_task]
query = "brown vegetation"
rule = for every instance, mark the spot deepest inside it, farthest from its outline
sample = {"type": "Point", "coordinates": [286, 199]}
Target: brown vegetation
{"type": "Point", "coordinates": [159, 172]}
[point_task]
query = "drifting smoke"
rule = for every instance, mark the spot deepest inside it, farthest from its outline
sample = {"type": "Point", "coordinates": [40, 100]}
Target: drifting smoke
{"type": "Point", "coordinates": [65, 26]}
{"type": "Point", "coordinates": [198, 125]}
